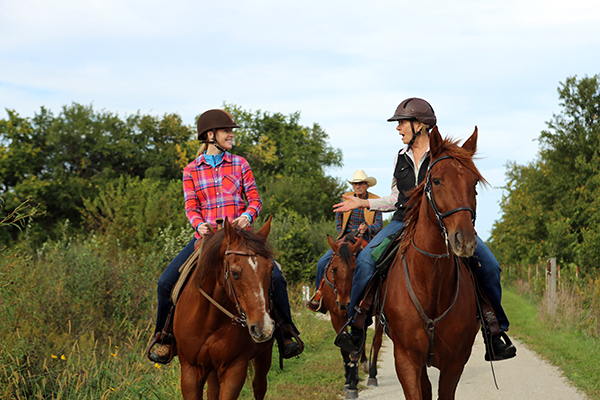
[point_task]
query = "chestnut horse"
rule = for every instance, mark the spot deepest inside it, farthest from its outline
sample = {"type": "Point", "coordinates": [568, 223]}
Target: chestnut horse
{"type": "Point", "coordinates": [336, 298]}
{"type": "Point", "coordinates": [430, 301]}
{"type": "Point", "coordinates": [222, 316]}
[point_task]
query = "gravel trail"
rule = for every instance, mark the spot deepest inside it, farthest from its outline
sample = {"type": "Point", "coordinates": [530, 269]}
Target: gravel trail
{"type": "Point", "coordinates": [525, 377]}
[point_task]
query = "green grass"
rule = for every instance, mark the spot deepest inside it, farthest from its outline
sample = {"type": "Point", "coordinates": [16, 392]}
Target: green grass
{"type": "Point", "coordinates": [576, 354]}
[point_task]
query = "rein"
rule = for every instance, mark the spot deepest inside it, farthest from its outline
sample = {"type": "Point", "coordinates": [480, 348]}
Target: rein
{"type": "Point", "coordinates": [241, 317]}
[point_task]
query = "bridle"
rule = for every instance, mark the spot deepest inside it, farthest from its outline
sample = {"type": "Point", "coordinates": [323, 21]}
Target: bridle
{"type": "Point", "coordinates": [241, 317]}
{"type": "Point", "coordinates": [440, 215]}
{"type": "Point", "coordinates": [332, 285]}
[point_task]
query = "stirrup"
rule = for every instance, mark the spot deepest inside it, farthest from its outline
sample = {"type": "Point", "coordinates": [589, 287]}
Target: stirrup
{"type": "Point", "coordinates": [162, 339]}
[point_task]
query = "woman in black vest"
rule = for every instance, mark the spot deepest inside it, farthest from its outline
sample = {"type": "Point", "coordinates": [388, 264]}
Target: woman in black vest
{"type": "Point", "coordinates": [415, 119]}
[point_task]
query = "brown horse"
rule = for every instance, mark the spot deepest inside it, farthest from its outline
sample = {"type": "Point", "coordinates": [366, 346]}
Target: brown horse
{"type": "Point", "coordinates": [430, 302]}
{"type": "Point", "coordinates": [222, 317]}
{"type": "Point", "coordinates": [336, 298]}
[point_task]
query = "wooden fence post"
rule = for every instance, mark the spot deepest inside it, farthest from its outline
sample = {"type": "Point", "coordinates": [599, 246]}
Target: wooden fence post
{"type": "Point", "coordinates": [551, 289]}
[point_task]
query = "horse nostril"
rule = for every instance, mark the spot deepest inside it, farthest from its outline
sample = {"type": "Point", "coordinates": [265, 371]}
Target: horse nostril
{"type": "Point", "coordinates": [254, 330]}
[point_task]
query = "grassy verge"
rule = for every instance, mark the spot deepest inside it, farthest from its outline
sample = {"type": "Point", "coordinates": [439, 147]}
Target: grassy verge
{"type": "Point", "coordinates": [576, 354]}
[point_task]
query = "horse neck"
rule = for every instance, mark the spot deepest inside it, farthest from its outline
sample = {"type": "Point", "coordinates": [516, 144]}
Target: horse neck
{"type": "Point", "coordinates": [434, 276]}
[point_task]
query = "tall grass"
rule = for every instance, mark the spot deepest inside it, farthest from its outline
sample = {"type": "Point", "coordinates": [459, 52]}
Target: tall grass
{"type": "Point", "coordinates": [77, 315]}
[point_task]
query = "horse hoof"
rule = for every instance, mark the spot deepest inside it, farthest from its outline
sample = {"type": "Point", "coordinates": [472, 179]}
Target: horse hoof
{"type": "Point", "coordinates": [372, 382]}
{"type": "Point", "coordinates": [352, 394]}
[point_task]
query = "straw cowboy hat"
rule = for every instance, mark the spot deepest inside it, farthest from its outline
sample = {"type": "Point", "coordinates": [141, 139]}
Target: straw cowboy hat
{"type": "Point", "coordinates": [360, 176]}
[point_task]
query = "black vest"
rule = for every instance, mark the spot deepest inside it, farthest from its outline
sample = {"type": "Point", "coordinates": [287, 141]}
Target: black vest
{"type": "Point", "coordinates": [405, 181]}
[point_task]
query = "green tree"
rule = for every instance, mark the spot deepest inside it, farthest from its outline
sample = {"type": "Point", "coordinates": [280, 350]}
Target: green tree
{"type": "Point", "coordinates": [550, 205]}
{"type": "Point", "coordinates": [289, 161]}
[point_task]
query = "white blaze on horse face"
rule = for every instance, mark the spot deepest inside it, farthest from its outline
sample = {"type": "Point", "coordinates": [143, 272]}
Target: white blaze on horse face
{"type": "Point", "coordinates": [253, 261]}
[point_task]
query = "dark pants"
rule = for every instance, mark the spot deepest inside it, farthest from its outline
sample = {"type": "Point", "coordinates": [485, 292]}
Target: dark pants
{"type": "Point", "coordinates": [169, 277]}
{"type": "Point", "coordinates": [488, 273]}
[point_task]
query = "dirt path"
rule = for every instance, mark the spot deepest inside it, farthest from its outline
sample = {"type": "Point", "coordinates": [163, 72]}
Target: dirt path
{"type": "Point", "coordinates": [525, 377]}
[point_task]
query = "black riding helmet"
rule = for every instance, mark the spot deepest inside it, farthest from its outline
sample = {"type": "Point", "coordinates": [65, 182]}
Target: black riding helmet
{"type": "Point", "coordinates": [415, 109]}
{"type": "Point", "coordinates": [211, 120]}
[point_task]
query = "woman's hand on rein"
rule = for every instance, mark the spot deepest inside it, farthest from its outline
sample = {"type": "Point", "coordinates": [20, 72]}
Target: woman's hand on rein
{"type": "Point", "coordinates": [241, 222]}
{"type": "Point", "coordinates": [205, 229]}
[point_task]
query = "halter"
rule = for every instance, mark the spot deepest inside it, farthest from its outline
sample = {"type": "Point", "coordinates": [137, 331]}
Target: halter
{"type": "Point", "coordinates": [439, 215]}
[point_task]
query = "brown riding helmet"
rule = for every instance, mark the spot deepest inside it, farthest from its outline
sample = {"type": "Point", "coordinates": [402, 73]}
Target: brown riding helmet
{"type": "Point", "coordinates": [214, 119]}
{"type": "Point", "coordinates": [417, 110]}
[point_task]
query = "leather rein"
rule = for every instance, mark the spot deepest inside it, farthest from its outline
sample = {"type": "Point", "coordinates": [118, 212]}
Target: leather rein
{"type": "Point", "coordinates": [241, 317]}
{"type": "Point", "coordinates": [428, 323]}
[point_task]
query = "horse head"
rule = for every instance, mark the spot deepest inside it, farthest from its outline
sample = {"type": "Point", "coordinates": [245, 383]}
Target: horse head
{"type": "Point", "coordinates": [342, 265]}
{"type": "Point", "coordinates": [450, 188]}
{"type": "Point", "coordinates": [247, 269]}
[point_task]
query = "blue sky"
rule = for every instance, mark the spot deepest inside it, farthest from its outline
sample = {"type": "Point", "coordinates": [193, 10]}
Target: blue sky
{"type": "Point", "coordinates": [343, 64]}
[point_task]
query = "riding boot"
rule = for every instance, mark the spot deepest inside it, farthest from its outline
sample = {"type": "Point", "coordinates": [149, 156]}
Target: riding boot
{"type": "Point", "coordinates": [352, 342]}
{"type": "Point", "coordinates": [501, 348]}
{"type": "Point", "coordinates": [316, 302]}
{"type": "Point", "coordinates": [163, 347]}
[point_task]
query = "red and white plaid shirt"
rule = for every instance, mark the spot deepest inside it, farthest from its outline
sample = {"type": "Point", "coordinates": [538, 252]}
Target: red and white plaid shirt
{"type": "Point", "coordinates": [212, 193]}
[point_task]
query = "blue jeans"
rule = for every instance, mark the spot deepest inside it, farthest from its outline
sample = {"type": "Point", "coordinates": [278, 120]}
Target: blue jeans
{"type": "Point", "coordinates": [489, 278]}
{"type": "Point", "coordinates": [365, 266]}
{"type": "Point", "coordinates": [488, 273]}
{"type": "Point", "coordinates": [169, 278]}
{"type": "Point", "coordinates": [321, 267]}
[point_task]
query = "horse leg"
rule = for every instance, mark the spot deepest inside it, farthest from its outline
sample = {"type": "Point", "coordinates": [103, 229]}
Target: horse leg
{"type": "Point", "coordinates": [449, 377]}
{"type": "Point", "coordinates": [378, 338]}
{"type": "Point", "coordinates": [352, 376]}
{"type": "Point", "coordinates": [262, 365]}
{"type": "Point", "coordinates": [425, 384]}
{"type": "Point", "coordinates": [409, 374]}
{"type": "Point", "coordinates": [212, 392]}
{"type": "Point", "coordinates": [232, 378]}
{"type": "Point", "coordinates": [192, 384]}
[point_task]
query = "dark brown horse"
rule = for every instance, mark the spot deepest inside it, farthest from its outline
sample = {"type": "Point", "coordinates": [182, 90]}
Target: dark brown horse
{"type": "Point", "coordinates": [222, 317]}
{"type": "Point", "coordinates": [336, 298]}
{"type": "Point", "coordinates": [430, 302]}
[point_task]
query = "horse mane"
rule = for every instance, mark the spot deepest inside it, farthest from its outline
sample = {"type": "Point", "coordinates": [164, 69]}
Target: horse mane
{"type": "Point", "coordinates": [344, 250]}
{"type": "Point", "coordinates": [211, 257]}
{"type": "Point", "coordinates": [449, 147]}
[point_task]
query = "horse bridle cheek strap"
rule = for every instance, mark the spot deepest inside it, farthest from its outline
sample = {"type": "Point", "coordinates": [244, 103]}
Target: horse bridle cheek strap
{"type": "Point", "coordinates": [439, 215]}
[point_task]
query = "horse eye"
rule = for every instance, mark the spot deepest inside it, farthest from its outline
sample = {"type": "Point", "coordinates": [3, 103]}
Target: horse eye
{"type": "Point", "coordinates": [436, 181]}
{"type": "Point", "coordinates": [235, 274]}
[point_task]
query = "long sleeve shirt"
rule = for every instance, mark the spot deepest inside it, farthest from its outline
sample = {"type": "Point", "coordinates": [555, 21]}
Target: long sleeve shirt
{"type": "Point", "coordinates": [224, 191]}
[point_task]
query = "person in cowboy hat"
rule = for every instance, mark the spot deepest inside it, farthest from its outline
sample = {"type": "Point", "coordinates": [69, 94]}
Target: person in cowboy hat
{"type": "Point", "coordinates": [365, 223]}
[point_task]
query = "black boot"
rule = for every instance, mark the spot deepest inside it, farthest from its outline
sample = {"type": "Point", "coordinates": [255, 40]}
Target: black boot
{"type": "Point", "coordinates": [352, 342]}
{"type": "Point", "coordinates": [502, 348]}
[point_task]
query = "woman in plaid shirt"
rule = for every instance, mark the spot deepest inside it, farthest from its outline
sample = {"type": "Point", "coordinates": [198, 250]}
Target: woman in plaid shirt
{"type": "Point", "coordinates": [217, 185]}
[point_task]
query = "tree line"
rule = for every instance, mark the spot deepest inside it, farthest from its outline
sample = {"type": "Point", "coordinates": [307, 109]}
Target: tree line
{"type": "Point", "coordinates": [550, 206]}
{"type": "Point", "coordinates": [121, 176]}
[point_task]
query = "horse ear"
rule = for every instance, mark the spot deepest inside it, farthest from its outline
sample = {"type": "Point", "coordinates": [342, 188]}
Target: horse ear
{"type": "Point", "coordinates": [471, 144]}
{"type": "Point", "coordinates": [356, 246]}
{"type": "Point", "coordinates": [231, 235]}
{"type": "Point", "coordinates": [435, 143]}
{"type": "Point", "coordinates": [266, 228]}
{"type": "Point", "coordinates": [332, 243]}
